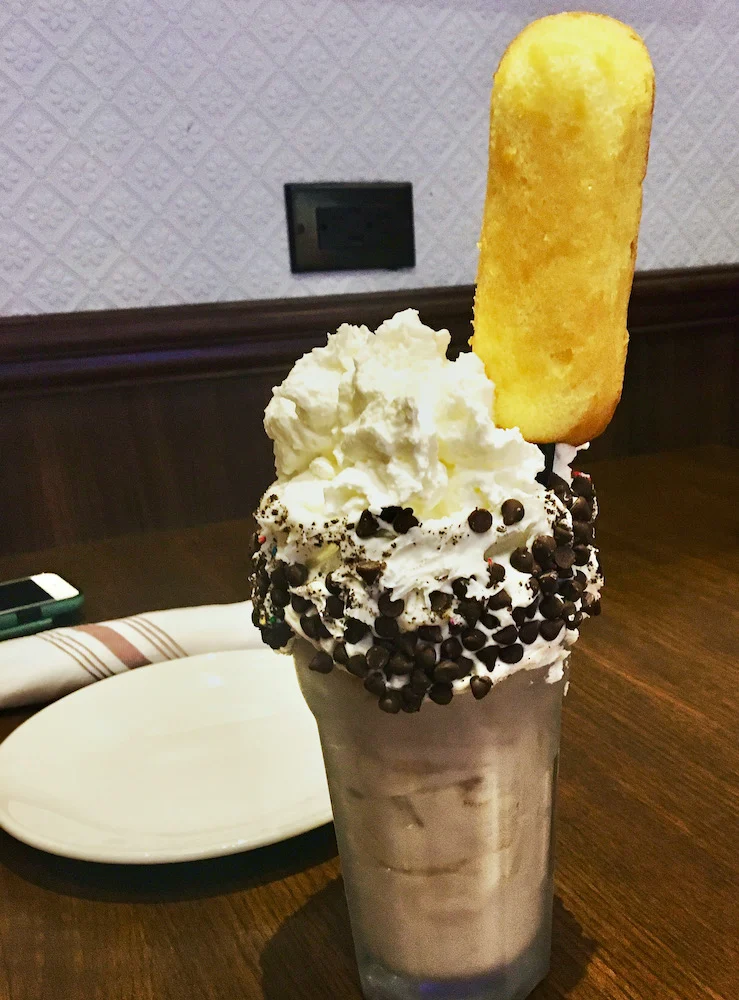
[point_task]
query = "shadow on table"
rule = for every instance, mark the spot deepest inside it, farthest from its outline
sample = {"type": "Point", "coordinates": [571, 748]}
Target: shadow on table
{"type": "Point", "coordinates": [312, 953]}
{"type": "Point", "coordinates": [317, 940]}
{"type": "Point", "coordinates": [571, 955]}
{"type": "Point", "coordinates": [168, 882]}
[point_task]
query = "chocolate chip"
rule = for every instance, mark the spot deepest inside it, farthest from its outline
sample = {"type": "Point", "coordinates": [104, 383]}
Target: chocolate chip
{"type": "Point", "coordinates": [281, 598]}
{"type": "Point", "coordinates": [425, 656]}
{"type": "Point", "coordinates": [442, 694]}
{"type": "Point", "coordinates": [582, 555]}
{"type": "Point", "coordinates": [548, 583]}
{"type": "Point", "coordinates": [321, 663]}
{"type": "Point", "coordinates": [575, 621]}
{"type": "Point", "coordinates": [550, 629]}
{"type": "Point", "coordinates": [374, 682]}
{"type": "Point", "coordinates": [334, 606]}
{"type": "Point", "coordinates": [309, 625]}
{"type": "Point", "coordinates": [447, 670]}
{"type": "Point", "coordinates": [407, 642]}
{"type": "Point", "coordinates": [390, 608]}
{"type": "Point", "coordinates": [522, 560]}
{"type": "Point", "coordinates": [489, 620]}
{"type": "Point", "coordinates": [278, 577]}
{"type": "Point", "coordinates": [277, 636]}
{"type": "Point", "coordinates": [480, 686]}
{"type": "Point", "coordinates": [528, 632]}
{"type": "Point", "coordinates": [571, 590]}
{"type": "Point", "coordinates": [451, 648]}
{"type": "Point", "coordinates": [512, 511]}
{"type": "Point", "coordinates": [321, 631]}
{"type": "Point", "coordinates": [470, 610]}
{"type": "Point", "coordinates": [389, 514]}
{"type": "Point", "coordinates": [474, 639]}
{"type": "Point", "coordinates": [405, 520]}
{"type": "Point", "coordinates": [457, 626]}
{"type": "Point", "coordinates": [532, 608]}
{"type": "Point", "coordinates": [581, 578]}
{"type": "Point", "coordinates": [370, 570]}
{"type": "Point", "coordinates": [488, 656]}
{"type": "Point", "coordinates": [419, 682]}
{"type": "Point", "coordinates": [355, 630]}
{"type": "Point", "coordinates": [581, 510]}
{"type": "Point", "coordinates": [583, 532]}
{"type": "Point", "coordinates": [543, 548]}
{"type": "Point", "coordinates": [411, 701]}
{"type": "Point", "coordinates": [564, 557]}
{"type": "Point", "coordinates": [551, 607]}
{"type": "Point", "coordinates": [388, 644]}
{"type": "Point", "coordinates": [391, 702]}
{"type": "Point", "coordinates": [563, 533]}
{"type": "Point", "coordinates": [582, 486]}
{"type": "Point", "coordinates": [430, 633]}
{"type": "Point", "coordinates": [340, 653]}
{"type": "Point", "coordinates": [299, 604]}
{"type": "Point", "coordinates": [386, 627]}
{"type": "Point", "coordinates": [459, 587]}
{"type": "Point", "coordinates": [357, 665]}
{"type": "Point", "coordinates": [262, 582]}
{"type": "Point", "coordinates": [518, 615]}
{"type": "Point", "coordinates": [511, 654]}
{"type": "Point", "coordinates": [377, 657]}
{"type": "Point", "coordinates": [296, 574]}
{"type": "Point", "coordinates": [496, 574]}
{"type": "Point", "coordinates": [332, 586]}
{"type": "Point", "coordinates": [560, 489]}
{"type": "Point", "coordinates": [595, 609]}
{"type": "Point", "coordinates": [506, 635]}
{"type": "Point", "coordinates": [440, 602]}
{"type": "Point", "coordinates": [399, 664]}
{"type": "Point", "coordinates": [480, 520]}
{"type": "Point", "coordinates": [568, 610]}
{"type": "Point", "coordinates": [496, 602]}
{"type": "Point", "coordinates": [367, 525]}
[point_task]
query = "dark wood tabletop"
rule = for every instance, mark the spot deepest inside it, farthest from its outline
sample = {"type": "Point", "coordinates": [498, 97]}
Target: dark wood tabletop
{"type": "Point", "coordinates": [648, 835]}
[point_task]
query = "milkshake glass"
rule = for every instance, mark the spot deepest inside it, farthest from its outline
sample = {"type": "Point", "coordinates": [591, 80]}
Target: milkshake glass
{"type": "Point", "coordinates": [444, 821]}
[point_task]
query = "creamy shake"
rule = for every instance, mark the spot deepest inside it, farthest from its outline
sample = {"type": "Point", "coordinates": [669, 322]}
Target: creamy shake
{"type": "Point", "coordinates": [430, 589]}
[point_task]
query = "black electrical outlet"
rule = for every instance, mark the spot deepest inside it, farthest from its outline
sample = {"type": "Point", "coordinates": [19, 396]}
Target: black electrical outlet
{"type": "Point", "coordinates": [350, 227]}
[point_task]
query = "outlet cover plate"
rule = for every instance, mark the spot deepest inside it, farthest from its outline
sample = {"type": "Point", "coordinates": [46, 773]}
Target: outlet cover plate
{"type": "Point", "coordinates": [350, 227]}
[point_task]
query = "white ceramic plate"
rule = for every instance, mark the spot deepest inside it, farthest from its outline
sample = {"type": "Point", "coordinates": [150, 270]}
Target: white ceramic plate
{"type": "Point", "coordinates": [191, 759]}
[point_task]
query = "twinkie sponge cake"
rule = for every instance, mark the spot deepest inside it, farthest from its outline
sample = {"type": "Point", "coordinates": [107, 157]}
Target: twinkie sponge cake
{"type": "Point", "coordinates": [570, 119]}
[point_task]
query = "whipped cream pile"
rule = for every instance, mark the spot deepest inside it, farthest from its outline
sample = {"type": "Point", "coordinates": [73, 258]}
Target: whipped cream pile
{"type": "Point", "coordinates": [379, 419]}
{"type": "Point", "coordinates": [406, 536]}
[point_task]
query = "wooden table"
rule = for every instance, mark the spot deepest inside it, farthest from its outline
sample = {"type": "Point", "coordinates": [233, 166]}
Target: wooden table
{"type": "Point", "coordinates": [647, 884]}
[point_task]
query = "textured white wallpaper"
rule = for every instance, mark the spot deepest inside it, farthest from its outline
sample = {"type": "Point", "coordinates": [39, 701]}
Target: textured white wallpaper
{"type": "Point", "coordinates": [144, 143]}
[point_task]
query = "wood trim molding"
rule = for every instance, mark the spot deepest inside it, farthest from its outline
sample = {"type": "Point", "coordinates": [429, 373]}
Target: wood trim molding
{"type": "Point", "coordinates": [52, 352]}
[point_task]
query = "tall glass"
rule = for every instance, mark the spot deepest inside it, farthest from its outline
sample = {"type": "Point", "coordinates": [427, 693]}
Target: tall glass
{"type": "Point", "coordinates": [444, 821]}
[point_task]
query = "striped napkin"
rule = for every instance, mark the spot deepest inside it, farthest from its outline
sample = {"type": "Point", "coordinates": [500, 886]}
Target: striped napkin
{"type": "Point", "coordinates": [47, 665]}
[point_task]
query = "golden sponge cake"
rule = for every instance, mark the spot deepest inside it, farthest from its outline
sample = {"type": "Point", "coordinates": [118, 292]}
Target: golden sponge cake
{"type": "Point", "coordinates": [570, 119]}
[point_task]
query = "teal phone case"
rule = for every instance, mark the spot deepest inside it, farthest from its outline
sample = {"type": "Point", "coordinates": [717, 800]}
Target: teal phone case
{"type": "Point", "coordinates": [51, 615]}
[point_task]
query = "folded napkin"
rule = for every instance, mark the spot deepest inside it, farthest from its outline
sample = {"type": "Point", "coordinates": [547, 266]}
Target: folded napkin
{"type": "Point", "coordinates": [50, 664]}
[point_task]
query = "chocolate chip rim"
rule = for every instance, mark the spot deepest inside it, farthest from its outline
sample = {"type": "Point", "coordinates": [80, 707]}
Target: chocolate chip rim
{"type": "Point", "coordinates": [427, 660]}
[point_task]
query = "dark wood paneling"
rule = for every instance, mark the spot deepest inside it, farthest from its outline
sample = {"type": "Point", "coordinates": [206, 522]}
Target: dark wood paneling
{"type": "Point", "coordinates": [59, 351]}
{"type": "Point", "coordinates": [145, 419]}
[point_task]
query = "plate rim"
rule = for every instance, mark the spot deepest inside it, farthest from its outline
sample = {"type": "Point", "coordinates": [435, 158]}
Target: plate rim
{"type": "Point", "coordinates": [314, 820]}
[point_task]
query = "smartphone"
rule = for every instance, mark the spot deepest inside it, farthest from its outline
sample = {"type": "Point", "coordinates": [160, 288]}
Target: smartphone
{"type": "Point", "coordinates": [36, 602]}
